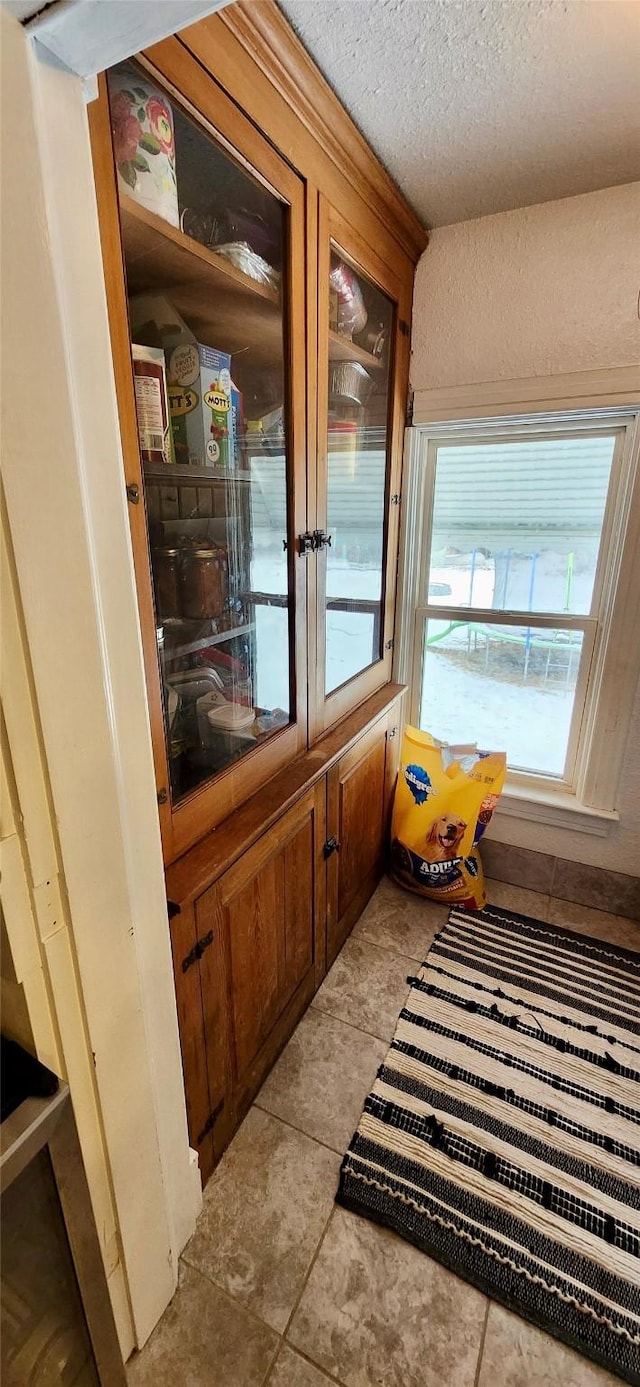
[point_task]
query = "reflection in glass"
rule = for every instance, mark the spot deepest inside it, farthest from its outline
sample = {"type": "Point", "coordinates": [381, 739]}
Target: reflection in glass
{"type": "Point", "coordinates": [508, 688]}
{"type": "Point", "coordinates": [517, 525]}
{"type": "Point", "coordinates": [205, 250]}
{"type": "Point", "coordinates": [360, 336]}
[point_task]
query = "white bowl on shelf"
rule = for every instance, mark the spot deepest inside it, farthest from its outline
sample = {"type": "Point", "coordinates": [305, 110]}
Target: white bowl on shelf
{"type": "Point", "coordinates": [231, 717]}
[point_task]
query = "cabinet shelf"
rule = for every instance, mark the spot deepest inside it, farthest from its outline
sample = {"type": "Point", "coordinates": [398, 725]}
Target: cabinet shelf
{"type": "Point", "coordinates": [223, 307]}
{"type": "Point", "coordinates": [171, 474]}
{"type": "Point", "coordinates": [342, 349]}
{"type": "Point", "coordinates": [179, 650]}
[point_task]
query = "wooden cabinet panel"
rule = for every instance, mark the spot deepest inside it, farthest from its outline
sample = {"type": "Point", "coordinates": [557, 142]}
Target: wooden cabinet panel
{"type": "Point", "coordinates": [357, 817]}
{"type": "Point", "coordinates": [193, 1034]}
{"type": "Point", "coordinates": [260, 933]}
{"type": "Point", "coordinates": [361, 820]}
{"type": "Point", "coordinates": [297, 935]}
{"type": "Point", "coordinates": [271, 946]}
{"type": "Point", "coordinates": [254, 919]}
{"type": "Point", "coordinates": [213, 978]}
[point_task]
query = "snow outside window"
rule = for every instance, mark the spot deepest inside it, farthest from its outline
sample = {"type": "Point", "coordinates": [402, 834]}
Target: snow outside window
{"type": "Point", "coordinates": [521, 540]}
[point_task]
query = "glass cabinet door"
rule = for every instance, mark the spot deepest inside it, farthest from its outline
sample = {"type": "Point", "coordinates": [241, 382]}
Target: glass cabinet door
{"type": "Point", "coordinates": [358, 323]}
{"type": "Point", "coordinates": [209, 256]}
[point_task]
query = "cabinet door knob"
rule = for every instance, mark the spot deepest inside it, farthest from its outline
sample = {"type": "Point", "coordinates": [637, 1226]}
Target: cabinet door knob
{"type": "Point", "coordinates": [133, 493]}
{"type": "Point", "coordinates": [332, 845]}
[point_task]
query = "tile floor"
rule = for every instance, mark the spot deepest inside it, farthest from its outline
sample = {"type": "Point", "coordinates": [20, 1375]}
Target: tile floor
{"type": "Point", "coordinates": [278, 1285]}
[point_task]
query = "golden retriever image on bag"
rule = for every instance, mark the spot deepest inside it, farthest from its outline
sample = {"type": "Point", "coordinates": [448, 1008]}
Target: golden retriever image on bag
{"type": "Point", "coordinates": [444, 800]}
{"type": "Point", "coordinates": [444, 839]}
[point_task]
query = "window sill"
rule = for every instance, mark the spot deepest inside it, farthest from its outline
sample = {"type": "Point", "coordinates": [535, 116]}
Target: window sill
{"type": "Point", "coordinates": [556, 807]}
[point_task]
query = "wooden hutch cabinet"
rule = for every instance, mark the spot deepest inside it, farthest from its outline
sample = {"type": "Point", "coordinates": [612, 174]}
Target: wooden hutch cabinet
{"type": "Point", "coordinates": [259, 269]}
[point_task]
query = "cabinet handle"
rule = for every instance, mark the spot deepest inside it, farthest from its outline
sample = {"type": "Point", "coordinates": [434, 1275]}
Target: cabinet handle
{"type": "Point", "coordinates": [306, 544]}
{"type": "Point", "coordinates": [197, 951]}
{"type": "Point", "coordinates": [210, 1122]}
{"type": "Point", "coordinates": [332, 845]}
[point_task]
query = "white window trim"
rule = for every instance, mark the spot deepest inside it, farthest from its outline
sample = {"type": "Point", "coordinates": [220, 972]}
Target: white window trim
{"type": "Point", "coordinates": [590, 806]}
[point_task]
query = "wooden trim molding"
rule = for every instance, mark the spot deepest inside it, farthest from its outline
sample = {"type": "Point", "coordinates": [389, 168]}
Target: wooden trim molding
{"type": "Point", "coordinates": [619, 385]}
{"type": "Point", "coordinates": [265, 34]}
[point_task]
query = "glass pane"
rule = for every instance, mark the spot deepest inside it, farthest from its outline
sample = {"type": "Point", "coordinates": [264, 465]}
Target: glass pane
{"type": "Point", "coordinates": [361, 320]}
{"type": "Point", "coordinates": [508, 688]}
{"type": "Point", "coordinates": [205, 251]}
{"type": "Point", "coordinates": [517, 525]}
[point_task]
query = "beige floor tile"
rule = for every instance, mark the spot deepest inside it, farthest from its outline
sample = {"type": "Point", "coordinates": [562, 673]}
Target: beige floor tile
{"type": "Point", "coordinates": [617, 929]}
{"type": "Point", "coordinates": [532, 903]}
{"type": "Point", "coordinates": [322, 1078]}
{"type": "Point", "coordinates": [400, 922]}
{"type": "Point", "coordinates": [367, 987]}
{"type": "Point", "coordinates": [516, 1354]}
{"type": "Point", "coordinates": [264, 1211]}
{"type": "Point", "coordinates": [375, 1310]}
{"type": "Point", "coordinates": [293, 1371]}
{"type": "Point", "coordinates": [204, 1340]}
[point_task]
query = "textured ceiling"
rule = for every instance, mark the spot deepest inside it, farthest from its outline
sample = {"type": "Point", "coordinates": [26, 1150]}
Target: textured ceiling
{"type": "Point", "coordinates": [479, 106]}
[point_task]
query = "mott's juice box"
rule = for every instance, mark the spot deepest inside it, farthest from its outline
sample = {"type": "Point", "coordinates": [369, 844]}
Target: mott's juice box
{"type": "Point", "coordinates": [199, 386]}
{"type": "Point", "coordinates": [444, 800]}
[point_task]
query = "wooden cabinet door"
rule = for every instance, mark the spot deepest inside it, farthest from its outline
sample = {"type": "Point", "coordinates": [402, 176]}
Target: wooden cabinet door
{"type": "Point", "coordinates": [216, 504]}
{"type": "Point", "coordinates": [358, 801]}
{"type": "Point", "coordinates": [258, 972]}
{"type": "Point", "coordinates": [364, 309]}
{"type": "Point", "coordinates": [186, 947]}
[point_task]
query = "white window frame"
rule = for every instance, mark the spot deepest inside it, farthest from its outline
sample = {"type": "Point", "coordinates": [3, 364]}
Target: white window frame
{"type": "Point", "coordinates": [610, 665]}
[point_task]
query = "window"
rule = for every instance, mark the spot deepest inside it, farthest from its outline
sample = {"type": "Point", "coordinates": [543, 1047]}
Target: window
{"type": "Point", "coordinates": [517, 586]}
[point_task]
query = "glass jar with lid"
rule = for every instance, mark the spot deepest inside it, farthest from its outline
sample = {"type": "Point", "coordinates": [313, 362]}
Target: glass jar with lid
{"type": "Point", "coordinates": [166, 574]}
{"type": "Point", "coordinates": [203, 583]}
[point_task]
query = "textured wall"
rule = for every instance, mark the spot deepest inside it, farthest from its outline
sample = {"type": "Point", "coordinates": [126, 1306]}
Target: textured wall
{"type": "Point", "coordinates": [546, 289]}
{"type": "Point", "coordinates": [538, 292]}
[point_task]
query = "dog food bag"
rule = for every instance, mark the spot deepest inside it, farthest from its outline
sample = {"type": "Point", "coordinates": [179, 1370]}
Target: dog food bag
{"type": "Point", "coordinates": [444, 800]}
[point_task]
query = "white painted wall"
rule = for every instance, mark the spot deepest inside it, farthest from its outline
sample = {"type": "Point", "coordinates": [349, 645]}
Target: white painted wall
{"type": "Point", "coordinates": [545, 291]}
{"type": "Point", "coordinates": [66, 509]}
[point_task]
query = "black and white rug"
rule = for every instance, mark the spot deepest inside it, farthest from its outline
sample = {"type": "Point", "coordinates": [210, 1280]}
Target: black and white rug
{"type": "Point", "coordinates": [501, 1135]}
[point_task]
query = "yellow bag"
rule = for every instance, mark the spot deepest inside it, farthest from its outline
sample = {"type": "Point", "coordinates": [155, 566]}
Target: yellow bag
{"type": "Point", "coordinates": [444, 800]}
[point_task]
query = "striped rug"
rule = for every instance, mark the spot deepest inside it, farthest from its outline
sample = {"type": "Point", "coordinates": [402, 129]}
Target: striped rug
{"type": "Point", "coordinates": [501, 1135]}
